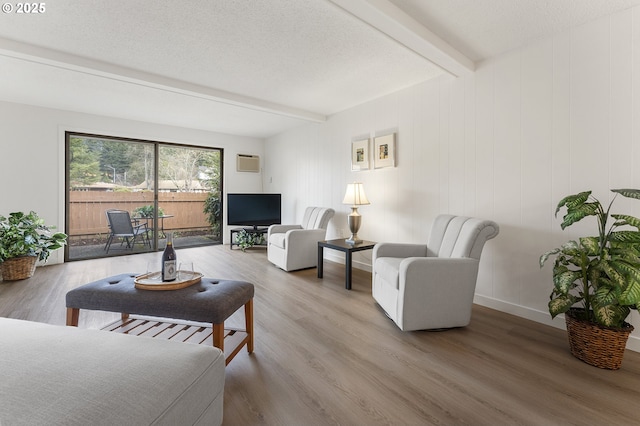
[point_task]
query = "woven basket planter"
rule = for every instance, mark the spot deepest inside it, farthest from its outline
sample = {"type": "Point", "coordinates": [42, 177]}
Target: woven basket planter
{"type": "Point", "coordinates": [596, 345]}
{"type": "Point", "coordinates": [18, 268]}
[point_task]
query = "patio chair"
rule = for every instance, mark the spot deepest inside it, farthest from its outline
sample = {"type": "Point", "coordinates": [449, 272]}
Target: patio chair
{"type": "Point", "coordinates": [121, 226]}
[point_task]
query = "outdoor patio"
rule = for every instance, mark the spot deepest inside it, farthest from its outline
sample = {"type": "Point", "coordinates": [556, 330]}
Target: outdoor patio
{"type": "Point", "coordinates": [93, 250]}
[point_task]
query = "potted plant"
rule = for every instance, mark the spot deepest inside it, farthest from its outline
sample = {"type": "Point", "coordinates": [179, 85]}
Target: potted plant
{"type": "Point", "coordinates": [596, 280]}
{"type": "Point", "coordinates": [247, 239]}
{"type": "Point", "coordinates": [147, 211]}
{"type": "Point", "coordinates": [24, 239]}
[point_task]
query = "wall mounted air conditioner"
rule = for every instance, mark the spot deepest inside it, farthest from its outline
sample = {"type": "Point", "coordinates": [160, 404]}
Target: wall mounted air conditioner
{"type": "Point", "coordinates": [248, 163]}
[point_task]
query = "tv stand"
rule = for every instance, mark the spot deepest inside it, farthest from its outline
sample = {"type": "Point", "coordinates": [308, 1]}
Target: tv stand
{"type": "Point", "coordinates": [254, 230]}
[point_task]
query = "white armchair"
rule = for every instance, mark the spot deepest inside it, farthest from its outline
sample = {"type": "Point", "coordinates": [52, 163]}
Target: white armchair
{"type": "Point", "coordinates": [431, 286]}
{"type": "Point", "coordinates": [293, 247]}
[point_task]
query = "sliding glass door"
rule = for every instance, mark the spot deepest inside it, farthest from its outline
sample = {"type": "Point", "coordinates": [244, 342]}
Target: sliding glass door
{"type": "Point", "coordinates": [124, 195]}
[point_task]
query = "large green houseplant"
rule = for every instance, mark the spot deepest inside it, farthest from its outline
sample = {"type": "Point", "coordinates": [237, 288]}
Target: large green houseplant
{"type": "Point", "coordinates": [596, 279]}
{"type": "Point", "coordinates": [25, 238]}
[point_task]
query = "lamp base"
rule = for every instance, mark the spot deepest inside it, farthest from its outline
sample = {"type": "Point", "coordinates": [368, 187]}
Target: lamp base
{"type": "Point", "coordinates": [354, 220]}
{"type": "Point", "coordinates": [353, 240]}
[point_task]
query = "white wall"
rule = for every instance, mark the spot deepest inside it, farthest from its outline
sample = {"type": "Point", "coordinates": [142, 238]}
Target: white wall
{"type": "Point", "coordinates": [32, 156]}
{"type": "Point", "coordinates": [507, 143]}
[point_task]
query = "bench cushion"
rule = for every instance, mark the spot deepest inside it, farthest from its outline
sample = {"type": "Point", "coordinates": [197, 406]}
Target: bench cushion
{"type": "Point", "coordinates": [210, 300]}
{"type": "Point", "coordinates": [65, 375]}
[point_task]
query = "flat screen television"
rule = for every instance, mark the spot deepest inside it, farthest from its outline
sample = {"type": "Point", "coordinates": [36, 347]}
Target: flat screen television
{"type": "Point", "coordinates": [254, 209]}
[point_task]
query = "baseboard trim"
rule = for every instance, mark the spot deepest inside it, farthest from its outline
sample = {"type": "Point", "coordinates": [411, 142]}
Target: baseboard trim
{"type": "Point", "coordinates": [543, 317]}
{"type": "Point", "coordinates": [339, 258]}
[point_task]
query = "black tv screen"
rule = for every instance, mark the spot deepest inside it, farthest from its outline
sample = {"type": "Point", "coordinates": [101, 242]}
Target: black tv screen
{"type": "Point", "coordinates": [253, 209]}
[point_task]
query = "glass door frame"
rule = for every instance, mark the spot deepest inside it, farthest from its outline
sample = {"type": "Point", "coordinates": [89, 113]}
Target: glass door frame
{"type": "Point", "coordinates": [155, 221]}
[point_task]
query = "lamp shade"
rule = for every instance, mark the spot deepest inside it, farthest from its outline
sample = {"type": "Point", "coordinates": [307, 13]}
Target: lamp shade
{"type": "Point", "coordinates": [355, 195]}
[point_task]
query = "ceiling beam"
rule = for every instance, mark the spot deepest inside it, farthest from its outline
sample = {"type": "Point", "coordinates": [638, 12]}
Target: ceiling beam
{"type": "Point", "coordinates": [394, 22]}
{"type": "Point", "coordinates": [35, 54]}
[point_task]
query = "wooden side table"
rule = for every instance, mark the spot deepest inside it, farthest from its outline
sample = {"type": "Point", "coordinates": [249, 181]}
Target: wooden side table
{"type": "Point", "coordinates": [348, 249]}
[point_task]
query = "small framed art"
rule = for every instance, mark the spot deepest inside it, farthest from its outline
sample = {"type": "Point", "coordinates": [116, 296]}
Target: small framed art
{"type": "Point", "coordinates": [360, 154]}
{"type": "Point", "coordinates": [384, 148]}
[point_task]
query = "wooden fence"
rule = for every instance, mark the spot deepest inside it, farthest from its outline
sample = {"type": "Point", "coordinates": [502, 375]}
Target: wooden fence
{"type": "Point", "coordinates": [87, 209]}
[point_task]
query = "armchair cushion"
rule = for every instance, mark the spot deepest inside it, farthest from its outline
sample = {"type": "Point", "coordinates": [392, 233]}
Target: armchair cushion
{"type": "Point", "coordinates": [278, 240]}
{"type": "Point", "coordinates": [389, 269]}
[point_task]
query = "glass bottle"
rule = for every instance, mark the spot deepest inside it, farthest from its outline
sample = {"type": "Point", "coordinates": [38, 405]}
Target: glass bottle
{"type": "Point", "coordinates": [169, 260]}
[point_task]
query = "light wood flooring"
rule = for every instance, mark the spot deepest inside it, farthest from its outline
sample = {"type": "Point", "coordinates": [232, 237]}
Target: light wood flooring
{"type": "Point", "coordinates": [328, 356]}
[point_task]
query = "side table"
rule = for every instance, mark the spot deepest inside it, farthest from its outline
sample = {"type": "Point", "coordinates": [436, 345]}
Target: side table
{"type": "Point", "coordinates": [348, 249]}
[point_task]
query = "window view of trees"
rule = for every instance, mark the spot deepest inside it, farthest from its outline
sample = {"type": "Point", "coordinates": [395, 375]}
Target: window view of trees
{"type": "Point", "coordinates": [101, 160]}
{"type": "Point", "coordinates": [106, 173]}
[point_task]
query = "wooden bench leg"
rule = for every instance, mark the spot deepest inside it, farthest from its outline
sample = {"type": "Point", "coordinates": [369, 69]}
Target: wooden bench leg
{"type": "Point", "coordinates": [248, 323]}
{"type": "Point", "coordinates": [218, 336]}
{"type": "Point", "coordinates": [73, 314]}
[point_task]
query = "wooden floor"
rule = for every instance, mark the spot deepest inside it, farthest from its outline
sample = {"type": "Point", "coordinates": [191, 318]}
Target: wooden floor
{"type": "Point", "coordinates": [328, 356]}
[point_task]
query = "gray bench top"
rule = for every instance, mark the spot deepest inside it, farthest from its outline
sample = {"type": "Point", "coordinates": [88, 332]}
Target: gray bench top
{"type": "Point", "coordinates": [210, 300]}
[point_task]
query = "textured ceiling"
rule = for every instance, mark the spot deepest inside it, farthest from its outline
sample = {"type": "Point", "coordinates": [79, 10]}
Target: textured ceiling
{"type": "Point", "coordinates": [257, 67]}
{"type": "Point", "coordinates": [481, 29]}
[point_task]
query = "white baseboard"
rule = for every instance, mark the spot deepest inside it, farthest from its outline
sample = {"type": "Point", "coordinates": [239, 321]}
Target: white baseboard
{"type": "Point", "coordinates": [542, 317]}
{"type": "Point", "coordinates": [633, 344]}
{"type": "Point", "coordinates": [339, 258]}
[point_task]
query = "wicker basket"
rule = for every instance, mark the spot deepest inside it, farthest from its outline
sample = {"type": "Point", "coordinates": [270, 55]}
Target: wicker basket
{"type": "Point", "coordinates": [596, 345]}
{"type": "Point", "coordinates": [18, 268]}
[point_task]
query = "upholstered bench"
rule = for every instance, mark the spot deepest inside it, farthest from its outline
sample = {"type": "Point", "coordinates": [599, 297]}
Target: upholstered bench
{"type": "Point", "coordinates": [209, 301]}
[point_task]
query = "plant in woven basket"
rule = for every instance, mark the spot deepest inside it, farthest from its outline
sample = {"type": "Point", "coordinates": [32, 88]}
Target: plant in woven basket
{"type": "Point", "coordinates": [597, 278]}
{"type": "Point", "coordinates": [602, 272]}
{"type": "Point", "coordinates": [25, 234]}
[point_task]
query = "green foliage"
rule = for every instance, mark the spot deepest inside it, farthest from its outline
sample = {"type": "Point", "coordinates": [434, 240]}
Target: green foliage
{"type": "Point", "coordinates": [213, 204]}
{"type": "Point", "coordinates": [116, 155]}
{"type": "Point", "coordinates": [246, 239]}
{"type": "Point", "coordinates": [213, 210]}
{"type": "Point", "coordinates": [601, 272]}
{"type": "Point", "coordinates": [147, 211]}
{"type": "Point", "coordinates": [185, 167]}
{"type": "Point", "coordinates": [84, 164]}
{"type": "Point", "coordinates": [130, 163]}
{"type": "Point", "coordinates": [26, 235]}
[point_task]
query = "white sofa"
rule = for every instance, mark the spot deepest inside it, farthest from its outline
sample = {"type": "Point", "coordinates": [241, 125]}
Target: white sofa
{"type": "Point", "coordinates": [55, 375]}
{"type": "Point", "coordinates": [431, 286]}
{"type": "Point", "coordinates": [293, 247]}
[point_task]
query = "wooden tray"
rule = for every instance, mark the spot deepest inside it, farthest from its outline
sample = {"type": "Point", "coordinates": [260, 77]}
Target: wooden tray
{"type": "Point", "coordinates": [153, 281]}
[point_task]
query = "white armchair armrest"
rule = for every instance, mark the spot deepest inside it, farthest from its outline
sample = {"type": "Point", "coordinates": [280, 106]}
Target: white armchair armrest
{"type": "Point", "coordinates": [281, 229]}
{"type": "Point", "coordinates": [298, 235]}
{"type": "Point", "coordinates": [449, 283]}
{"type": "Point", "coordinates": [399, 250]}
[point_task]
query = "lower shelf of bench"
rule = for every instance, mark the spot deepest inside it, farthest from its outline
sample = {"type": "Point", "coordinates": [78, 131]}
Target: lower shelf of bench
{"type": "Point", "coordinates": [181, 331]}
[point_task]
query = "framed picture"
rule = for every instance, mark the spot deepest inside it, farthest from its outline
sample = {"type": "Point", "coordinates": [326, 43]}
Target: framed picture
{"type": "Point", "coordinates": [384, 148]}
{"type": "Point", "coordinates": [360, 154]}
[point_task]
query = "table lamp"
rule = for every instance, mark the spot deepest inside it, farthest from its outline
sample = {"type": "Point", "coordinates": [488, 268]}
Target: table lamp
{"type": "Point", "coordinates": [355, 197]}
